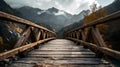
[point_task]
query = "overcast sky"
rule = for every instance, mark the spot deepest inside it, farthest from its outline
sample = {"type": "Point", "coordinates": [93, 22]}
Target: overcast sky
{"type": "Point", "coordinates": [70, 6]}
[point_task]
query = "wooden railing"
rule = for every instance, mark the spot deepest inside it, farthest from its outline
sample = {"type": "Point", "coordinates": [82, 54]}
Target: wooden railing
{"type": "Point", "coordinates": [99, 45]}
{"type": "Point", "coordinates": [37, 33]}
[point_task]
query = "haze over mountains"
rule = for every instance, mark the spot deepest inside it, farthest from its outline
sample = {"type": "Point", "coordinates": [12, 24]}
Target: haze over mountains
{"type": "Point", "coordinates": [56, 18]}
{"type": "Point", "coordinates": [51, 18]}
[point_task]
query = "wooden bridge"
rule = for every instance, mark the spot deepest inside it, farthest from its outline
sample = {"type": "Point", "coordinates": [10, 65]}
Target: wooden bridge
{"type": "Point", "coordinates": [44, 50]}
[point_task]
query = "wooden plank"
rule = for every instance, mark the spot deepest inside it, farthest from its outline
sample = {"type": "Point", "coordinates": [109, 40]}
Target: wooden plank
{"type": "Point", "coordinates": [69, 47]}
{"type": "Point", "coordinates": [61, 57]}
{"type": "Point", "coordinates": [84, 61]}
{"type": "Point", "coordinates": [113, 53]}
{"type": "Point", "coordinates": [62, 53]}
{"type": "Point", "coordinates": [76, 58]}
{"type": "Point", "coordinates": [21, 49]}
{"type": "Point", "coordinates": [64, 56]}
{"type": "Point", "coordinates": [59, 65]}
{"type": "Point", "coordinates": [83, 50]}
{"type": "Point", "coordinates": [62, 49]}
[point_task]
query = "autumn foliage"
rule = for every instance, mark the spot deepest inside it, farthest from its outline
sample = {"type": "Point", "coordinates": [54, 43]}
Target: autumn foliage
{"type": "Point", "coordinates": [96, 13]}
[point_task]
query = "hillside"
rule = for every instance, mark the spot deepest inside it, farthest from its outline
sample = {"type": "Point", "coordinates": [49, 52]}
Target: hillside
{"type": "Point", "coordinates": [54, 17]}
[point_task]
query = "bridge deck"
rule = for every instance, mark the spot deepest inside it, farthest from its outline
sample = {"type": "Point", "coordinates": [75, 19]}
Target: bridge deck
{"type": "Point", "coordinates": [61, 53]}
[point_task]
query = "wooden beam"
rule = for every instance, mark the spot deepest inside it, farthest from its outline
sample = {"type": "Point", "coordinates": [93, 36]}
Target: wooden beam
{"type": "Point", "coordinates": [44, 35]}
{"type": "Point", "coordinates": [38, 35]}
{"type": "Point", "coordinates": [98, 37]}
{"type": "Point", "coordinates": [78, 35]}
{"type": "Point", "coordinates": [112, 17]}
{"type": "Point", "coordinates": [113, 53]}
{"type": "Point", "coordinates": [22, 21]}
{"type": "Point", "coordinates": [21, 49]}
{"type": "Point", "coordinates": [23, 38]}
{"type": "Point", "coordinates": [83, 35]}
{"type": "Point", "coordinates": [47, 34]}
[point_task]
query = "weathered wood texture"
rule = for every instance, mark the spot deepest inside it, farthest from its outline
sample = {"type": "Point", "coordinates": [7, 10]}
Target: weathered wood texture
{"type": "Point", "coordinates": [31, 37]}
{"type": "Point", "coordinates": [105, 50]}
{"type": "Point", "coordinates": [112, 17]}
{"type": "Point", "coordinates": [23, 38]}
{"type": "Point", "coordinates": [21, 49]}
{"type": "Point", "coordinates": [20, 20]}
{"type": "Point", "coordinates": [94, 36]}
{"type": "Point", "coordinates": [59, 53]}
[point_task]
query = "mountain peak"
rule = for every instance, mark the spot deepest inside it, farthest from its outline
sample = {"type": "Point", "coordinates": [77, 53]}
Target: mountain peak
{"type": "Point", "coordinates": [5, 7]}
{"type": "Point", "coordinates": [53, 9]}
{"type": "Point", "coordinates": [30, 8]}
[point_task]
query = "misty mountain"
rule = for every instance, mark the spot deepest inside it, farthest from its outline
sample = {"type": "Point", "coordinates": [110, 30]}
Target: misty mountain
{"type": "Point", "coordinates": [54, 17]}
{"type": "Point", "coordinates": [6, 8]}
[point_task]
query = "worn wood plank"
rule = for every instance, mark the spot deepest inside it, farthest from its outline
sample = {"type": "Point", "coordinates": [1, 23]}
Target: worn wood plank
{"type": "Point", "coordinates": [21, 49]}
{"type": "Point", "coordinates": [113, 53]}
{"type": "Point", "coordinates": [62, 50]}
{"type": "Point", "coordinates": [62, 55]}
{"type": "Point", "coordinates": [76, 61]}
{"type": "Point", "coordinates": [65, 56]}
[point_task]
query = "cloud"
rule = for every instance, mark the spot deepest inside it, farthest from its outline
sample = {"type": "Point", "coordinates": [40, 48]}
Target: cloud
{"type": "Point", "coordinates": [70, 6]}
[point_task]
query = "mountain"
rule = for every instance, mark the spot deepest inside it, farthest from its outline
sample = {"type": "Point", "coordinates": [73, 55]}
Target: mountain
{"type": "Point", "coordinates": [113, 7]}
{"type": "Point", "coordinates": [80, 16]}
{"type": "Point", "coordinates": [8, 30]}
{"type": "Point", "coordinates": [113, 26]}
{"type": "Point", "coordinates": [5, 7]}
{"type": "Point", "coordinates": [69, 27]}
{"type": "Point", "coordinates": [54, 17]}
{"type": "Point", "coordinates": [77, 18]}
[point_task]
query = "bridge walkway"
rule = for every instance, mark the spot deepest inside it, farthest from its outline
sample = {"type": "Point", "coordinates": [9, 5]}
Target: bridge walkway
{"type": "Point", "coordinates": [60, 53]}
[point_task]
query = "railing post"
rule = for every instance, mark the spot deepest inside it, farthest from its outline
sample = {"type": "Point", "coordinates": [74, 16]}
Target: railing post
{"type": "Point", "coordinates": [98, 37]}
{"type": "Point", "coordinates": [47, 35]}
{"type": "Point", "coordinates": [23, 38]}
{"type": "Point", "coordinates": [83, 37]}
{"type": "Point", "coordinates": [42, 32]}
{"type": "Point", "coordinates": [73, 34]}
{"type": "Point", "coordinates": [33, 35]}
{"type": "Point", "coordinates": [77, 35]}
{"type": "Point", "coordinates": [38, 35]}
{"type": "Point", "coordinates": [99, 40]}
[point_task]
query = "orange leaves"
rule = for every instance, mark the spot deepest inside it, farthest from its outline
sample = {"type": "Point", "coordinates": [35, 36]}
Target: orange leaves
{"type": "Point", "coordinates": [95, 15]}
